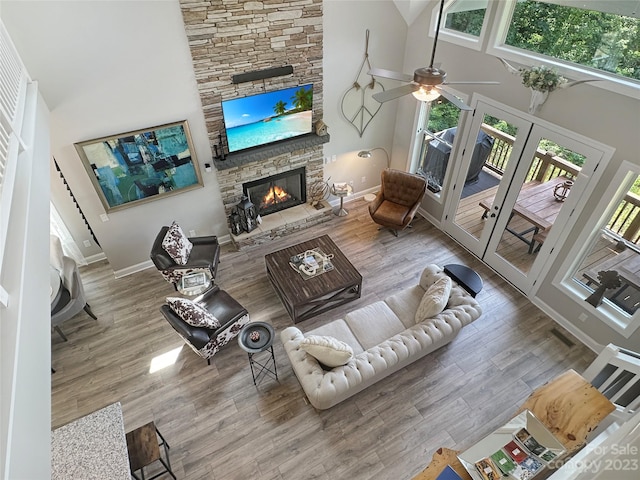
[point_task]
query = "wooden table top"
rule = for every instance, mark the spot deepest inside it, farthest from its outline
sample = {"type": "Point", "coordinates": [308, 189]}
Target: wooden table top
{"type": "Point", "coordinates": [570, 407]}
{"type": "Point", "coordinates": [536, 202]}
{"type": "Point", "coordinates": [300, 290]}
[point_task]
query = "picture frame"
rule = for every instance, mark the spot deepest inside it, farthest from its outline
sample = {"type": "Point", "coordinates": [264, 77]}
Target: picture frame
{"type": "Point", "coordinates": [137, 167]}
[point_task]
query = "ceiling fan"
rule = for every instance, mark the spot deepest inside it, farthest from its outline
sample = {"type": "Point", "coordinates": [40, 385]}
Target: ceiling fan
{"type": "Point", "coordinates": [426, 82]}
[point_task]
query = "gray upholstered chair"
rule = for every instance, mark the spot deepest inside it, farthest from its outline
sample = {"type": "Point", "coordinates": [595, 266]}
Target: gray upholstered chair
{"type": "Point", "coordinates": [72, 300]}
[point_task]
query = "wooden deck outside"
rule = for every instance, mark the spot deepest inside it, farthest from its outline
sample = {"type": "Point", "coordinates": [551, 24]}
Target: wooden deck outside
{"type": "Point", "coordinates": [535, 211]}
{"type": "Point", "coordinates": [606, 255]}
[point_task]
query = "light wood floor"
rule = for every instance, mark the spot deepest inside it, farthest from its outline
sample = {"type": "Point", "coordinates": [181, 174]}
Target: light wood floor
{"type": "Point", "coordinates": [220, 426]}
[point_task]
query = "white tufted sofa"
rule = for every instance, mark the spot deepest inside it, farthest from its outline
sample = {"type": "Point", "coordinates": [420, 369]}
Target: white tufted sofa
{"type": "Point", "coordinates": [384, 337]}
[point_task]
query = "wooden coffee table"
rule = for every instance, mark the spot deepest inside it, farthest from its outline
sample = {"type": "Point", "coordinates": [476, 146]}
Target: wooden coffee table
{"type": "Point", "coordinates": [306, 297]}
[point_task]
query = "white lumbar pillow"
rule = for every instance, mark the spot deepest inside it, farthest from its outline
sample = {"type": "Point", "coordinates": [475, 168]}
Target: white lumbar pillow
{"type": "Point", "coordinates": [327, 350]}
{"type": "Point", "coordinates": [434, 299]}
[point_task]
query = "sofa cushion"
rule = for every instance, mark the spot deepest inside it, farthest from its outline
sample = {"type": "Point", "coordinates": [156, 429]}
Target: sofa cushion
{"type": "Point", "coordinates": [340, 330]}
{"type": "Point", "coordinates": [434, 299]}
{"type": "Point", "coordinates": [405, 303]}
{"type": "Point", "coordinates": [192, 313]}
{"type": "Point", "coordinates": [327, 350]}
{"type": "Point", "coordinates": [177, 245]}
{"type": "Point", "coordinates": [373, 324]}
{"type": "Point", "coordinates": [430, 275]}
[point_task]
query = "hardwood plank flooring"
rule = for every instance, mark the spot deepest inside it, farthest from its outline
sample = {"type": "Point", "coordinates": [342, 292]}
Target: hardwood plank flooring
{"type": "Point", "coordinates": [220, 426]}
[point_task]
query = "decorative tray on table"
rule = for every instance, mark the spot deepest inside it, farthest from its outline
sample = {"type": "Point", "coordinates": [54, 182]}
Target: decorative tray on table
{"type": "Point", "coordinates": [311, 263]}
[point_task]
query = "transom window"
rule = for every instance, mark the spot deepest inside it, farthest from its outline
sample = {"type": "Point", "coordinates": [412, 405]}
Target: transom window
{"type": "Point", "coordinates": [598, 39]}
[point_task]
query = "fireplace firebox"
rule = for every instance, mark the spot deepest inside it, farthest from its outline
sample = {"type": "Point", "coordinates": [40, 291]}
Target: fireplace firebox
{"type": "Point", "coordinates": [277, 192]}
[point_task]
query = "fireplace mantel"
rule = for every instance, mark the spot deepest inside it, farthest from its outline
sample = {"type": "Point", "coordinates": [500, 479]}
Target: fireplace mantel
{"type": "Point", "coordinates": [267, 151]}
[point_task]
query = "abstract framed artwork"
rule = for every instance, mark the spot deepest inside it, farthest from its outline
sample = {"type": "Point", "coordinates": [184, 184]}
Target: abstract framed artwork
{"type": "Point", "coordinates": [140, 166]}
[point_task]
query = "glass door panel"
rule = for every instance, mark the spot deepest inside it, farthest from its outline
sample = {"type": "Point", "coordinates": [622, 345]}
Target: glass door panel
{"type": "Point", "coordinates": [495, 138]}
{"type": "Point", "coordinates": [506, 216]}
{"type": "Point", "coordinates": [553, 173]}
{"type": "Point", "coordinates": [550, 175]}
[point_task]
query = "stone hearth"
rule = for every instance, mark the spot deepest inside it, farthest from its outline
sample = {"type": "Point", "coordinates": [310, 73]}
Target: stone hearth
{"type": "Point", "coordinates": [287, 221]}
{"type": "Point", "coordinates": [283, 223]}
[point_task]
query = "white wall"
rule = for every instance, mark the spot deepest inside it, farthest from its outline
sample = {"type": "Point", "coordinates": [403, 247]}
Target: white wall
{"type": "Point", "coordinates": [345, 25]}
{"type": "Point", "coordinates": [107, 68]}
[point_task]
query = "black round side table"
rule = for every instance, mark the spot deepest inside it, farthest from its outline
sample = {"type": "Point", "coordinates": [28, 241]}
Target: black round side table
{"type": "Point", "coordinates": [256, 338]}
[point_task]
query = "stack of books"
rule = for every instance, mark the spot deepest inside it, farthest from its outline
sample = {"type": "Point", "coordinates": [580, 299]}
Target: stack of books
{"type": "Point", "coordinates": [520, 459]}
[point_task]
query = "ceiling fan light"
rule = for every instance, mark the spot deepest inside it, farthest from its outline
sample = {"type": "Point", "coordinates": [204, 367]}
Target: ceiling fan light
{"type": "Point", "coordinates": [426, 95]}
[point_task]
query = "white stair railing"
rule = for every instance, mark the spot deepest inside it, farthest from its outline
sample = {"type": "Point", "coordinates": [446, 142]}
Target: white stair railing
{"type": "Point", "coordinates": [616, 373]}
{"type": "Point", "coordinates": [13, 85]}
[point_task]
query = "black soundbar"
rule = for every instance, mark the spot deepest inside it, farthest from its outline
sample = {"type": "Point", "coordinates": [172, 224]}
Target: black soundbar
{"type": "Point", "coordinates": [260, 74]}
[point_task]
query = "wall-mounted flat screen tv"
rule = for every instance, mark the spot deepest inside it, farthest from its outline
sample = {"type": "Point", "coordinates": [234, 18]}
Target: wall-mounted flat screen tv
{"type": "Point", "coordinates": [268, 117]}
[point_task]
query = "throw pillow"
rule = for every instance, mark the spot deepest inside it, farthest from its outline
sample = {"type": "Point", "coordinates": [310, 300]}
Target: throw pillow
{"type": "Point", "coordinates": [177, 244]}
{"type": "Point", "coordinates": [193, 313]}
{"type": "Point", "coordinates": [327, 350]}
{"type": "Point", "coordinates": [434, 299]}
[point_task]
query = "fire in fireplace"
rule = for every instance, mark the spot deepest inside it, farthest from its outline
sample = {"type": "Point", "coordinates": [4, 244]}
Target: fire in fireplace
{"type": "Point", "coordinates": [278, 192]}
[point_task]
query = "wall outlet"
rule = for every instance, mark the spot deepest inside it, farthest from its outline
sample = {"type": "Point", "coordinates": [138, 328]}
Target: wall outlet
{"type": "Point", "coordinates": [87, 243]}
{"type": "Point", "coordinates": [351, 182]}
{"type": "Point", "coordinates": [364, 180]}
{"type": "Point", "coordinates": [104, 217]}
{"type": "Point", "coordinates": [333, 158]}
{"type": "Point", "coordinates": [192, 233]}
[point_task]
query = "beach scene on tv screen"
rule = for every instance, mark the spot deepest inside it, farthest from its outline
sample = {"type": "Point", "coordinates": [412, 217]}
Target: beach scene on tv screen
{"type": "Point", "coordinates": [268, 117]}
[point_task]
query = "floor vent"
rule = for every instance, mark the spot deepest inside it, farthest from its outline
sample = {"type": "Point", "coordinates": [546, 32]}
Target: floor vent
{"type": "Point", "coordinates": [562, 338]}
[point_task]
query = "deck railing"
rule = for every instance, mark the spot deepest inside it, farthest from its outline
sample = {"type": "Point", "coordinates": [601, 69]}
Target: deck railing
{"type": "Point", "coordinates": [546, 166]}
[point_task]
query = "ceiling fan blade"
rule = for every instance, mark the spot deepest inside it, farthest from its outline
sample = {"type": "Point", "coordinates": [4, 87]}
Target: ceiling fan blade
{"type": "Point", "coordinates": [395, 92]}
{"type": "Point", "coordinates": [453, 99]}
{"type": "Point", "coordinates": [381, 72]}
{"type": "Point", "coordinates": [472, 82]}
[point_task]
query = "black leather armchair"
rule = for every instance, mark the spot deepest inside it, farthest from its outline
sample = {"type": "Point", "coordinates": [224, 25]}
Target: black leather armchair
{"type": "Point", "coordinates": [204, 255]}
{"type": "Point", "coordinates": [204, 341]}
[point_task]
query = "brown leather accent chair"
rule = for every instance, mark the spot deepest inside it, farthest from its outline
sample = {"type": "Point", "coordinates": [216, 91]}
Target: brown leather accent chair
{"type": "Point", "coordinates": [398, 200]}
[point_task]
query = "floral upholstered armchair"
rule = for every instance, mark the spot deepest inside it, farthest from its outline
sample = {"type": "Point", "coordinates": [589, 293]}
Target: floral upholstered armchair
{"type": "Point", "coordinates": [175, 255]}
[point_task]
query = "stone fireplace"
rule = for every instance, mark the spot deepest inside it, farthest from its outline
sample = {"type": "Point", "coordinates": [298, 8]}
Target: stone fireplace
{"type": "Point", "coordinates": [231, 37]}
{"type": "Point", "coordinates": [238, 170]}
{"type": "Point", "coordinates": [277, 192]}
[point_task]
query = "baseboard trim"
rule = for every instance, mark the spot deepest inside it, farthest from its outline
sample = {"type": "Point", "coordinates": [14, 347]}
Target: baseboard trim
{"type": "Point", "coordinates": [133, 269]}
{"type": "Point", "coordinates": [567, 325]}
{"type": "Point", "coordinates": [95, 258]}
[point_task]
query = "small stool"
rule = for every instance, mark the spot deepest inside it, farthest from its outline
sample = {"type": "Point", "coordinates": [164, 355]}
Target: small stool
{"type": "Point", "coordinates": [144, 449]}
{"type": "Point", "coordinates": [255, 338]}
{"type": "Point", "coordinates": [465, 277]}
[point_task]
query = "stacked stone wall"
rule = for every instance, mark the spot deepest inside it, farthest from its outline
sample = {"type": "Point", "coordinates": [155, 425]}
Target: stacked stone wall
{"type": "Point", "coordinates": [230, 37]}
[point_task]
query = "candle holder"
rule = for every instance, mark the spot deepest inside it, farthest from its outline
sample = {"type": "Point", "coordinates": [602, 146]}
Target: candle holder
{"type": "Point", "coordinates": [561, 192]}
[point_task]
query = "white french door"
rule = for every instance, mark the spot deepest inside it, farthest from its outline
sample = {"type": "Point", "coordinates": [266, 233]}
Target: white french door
{"type": "Point", "coordinates": [513, 220]}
